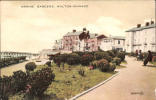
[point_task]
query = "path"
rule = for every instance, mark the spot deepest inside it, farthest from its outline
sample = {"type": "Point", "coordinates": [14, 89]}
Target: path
{"type": "Point", "coordinates": [7, 71]}
{"type": "Point", "coordinates": [135, 82]}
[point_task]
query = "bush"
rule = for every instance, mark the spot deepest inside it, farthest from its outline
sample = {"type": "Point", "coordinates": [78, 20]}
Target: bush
{"type": "Point", "coordinates": [30, 66]}
{"type": "Point", "coordinates": [102, 55]}
{"type": "Point", "coordinates": [103, 65]}
{"type": "Point", "coordinates": [111, 53]}
{"type": "Point", "coordinates": [73, 59]}
{"type": "Point", "coordinates": [94, 64]}
{"type": "Point", "coordinates": [81, 72]}
{"type": "Point", "coordinates": [19, 80]}
{"type": "Point", "coordinates": [5, 87]}
{"type": "Point", "coordinates": [121, 55]}
{"type": "Point", "coordinates": [112, 67]}
{"type": "Point", "coordinates": [86, 59]}
{"type": "Point", "coordinates": [39, 81]}
{"type": "Point", "coordinates": [154, 59]}
{"type": "Point", "coordinates": [116, 60]}
{"type": "Point", "coordinates": [48, 63]}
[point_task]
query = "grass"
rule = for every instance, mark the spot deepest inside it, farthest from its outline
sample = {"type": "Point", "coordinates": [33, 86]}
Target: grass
{"type": "Point", "coordinates": [69, 83]}
{"type": "Point", "coordinates": [124, 62]}
{"type": "Point", "coordinates": [120, 66]}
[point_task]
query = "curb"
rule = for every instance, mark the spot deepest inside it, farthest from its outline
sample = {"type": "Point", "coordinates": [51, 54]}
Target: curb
{"type": "Point", "coordinates": [84, 92]}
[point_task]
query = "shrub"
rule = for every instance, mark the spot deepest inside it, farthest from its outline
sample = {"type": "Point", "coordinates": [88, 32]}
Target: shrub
{"type": "Point", "coordinates": [112, 66]}
{"type": "Point", "coordinates": [103, 65]}
{"type": "Point", "coordinates": [94, 64]}
{"type": "Point", "coordinates": [116, 60]}
{"type": "Point", "coordinates": [86, 59]}
{"type": "Point", "coordinates": [81, 72]}
{"type": "Point", "coordinates": [111, 53]}
{"type": "Point", "coordinates": [39, 81]}
{"type": "Point", "coordinates": [132, 54]}
{"type": "Point", "coordinates": [30, 66]}
{"type": "Point", "coordinates": [121, 55]}
{"type": "Point", "coordinates": [5, 87]}
{"type": "Point", "coordinates": [48, 63]}
{"type": "Point", "coordinates": [102, 55]}
{"type": "Point", "coordinates": [19, 80]}
{"type": "Point", "coordinates": [73, 59]}
{"type": "Point", "coordinates": [154, 59]}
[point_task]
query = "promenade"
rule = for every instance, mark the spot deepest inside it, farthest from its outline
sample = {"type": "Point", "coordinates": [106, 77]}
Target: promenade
{"type": "Point", "coordinates": [135, 82]}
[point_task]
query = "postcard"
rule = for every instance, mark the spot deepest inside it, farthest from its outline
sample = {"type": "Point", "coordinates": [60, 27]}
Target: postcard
{"type": "Point", "coordinates": [77, 50]}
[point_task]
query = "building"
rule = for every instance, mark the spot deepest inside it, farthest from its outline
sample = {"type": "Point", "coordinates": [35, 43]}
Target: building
{"type": "Point", "coordinates": [58, 45]}
{"type": "Point", "coordinates": [45, 52]}
{"type": "Point", "coordinates": [94, 42]}
{"type": "Point", "coordinates": [75, 40]}
{"type": "Point", "coordinates": [113, 42]}
{"type": "Point", "coordinates": [81, 41]}
{"type": "Point", "coordinates": [141, 38]}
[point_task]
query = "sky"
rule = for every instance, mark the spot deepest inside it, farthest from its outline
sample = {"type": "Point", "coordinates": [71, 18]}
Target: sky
{"type": "Point", "coordinates": [34, 29]}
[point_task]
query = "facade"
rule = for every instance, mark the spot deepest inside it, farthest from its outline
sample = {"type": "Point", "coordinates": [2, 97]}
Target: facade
{"type": "Point", "coordinates": [113, 42]}
{"type": "Point", "coordinates": [74, 41]}
{"type": "Point", "coordinates": [141, 38]}
{"type": "Point", "coordinates": [81, 41]}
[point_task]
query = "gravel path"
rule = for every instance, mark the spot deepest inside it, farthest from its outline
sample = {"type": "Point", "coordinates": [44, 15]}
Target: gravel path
{"type": "Point", "coordinates": [135, 82]}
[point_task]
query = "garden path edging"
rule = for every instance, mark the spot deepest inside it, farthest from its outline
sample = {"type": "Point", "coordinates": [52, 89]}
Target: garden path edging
{"type": "Point", "coordinates": [84, 92]}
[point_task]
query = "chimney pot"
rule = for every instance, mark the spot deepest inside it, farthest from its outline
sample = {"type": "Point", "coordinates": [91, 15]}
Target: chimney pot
{"type": "Point", "coordinates": [138, 25]}
{"type": "Point", "coordinates": [84, 29]}
{"type": "Point", "coordinates": [152, 22]}
{"type": "Point", "coordinates": [147, 24]}
{"type": "Point", "coordinates": [74, 30]}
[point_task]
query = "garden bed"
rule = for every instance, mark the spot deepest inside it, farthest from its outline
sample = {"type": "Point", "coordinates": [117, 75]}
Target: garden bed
{"type": "Point", "coordinates": [69, 83]}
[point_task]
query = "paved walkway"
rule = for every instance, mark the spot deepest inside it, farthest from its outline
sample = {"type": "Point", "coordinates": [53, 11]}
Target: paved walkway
{"type": "Point", "coordinates": [7, 71]}
{"type": "Point", "coordinates": [135, 82]}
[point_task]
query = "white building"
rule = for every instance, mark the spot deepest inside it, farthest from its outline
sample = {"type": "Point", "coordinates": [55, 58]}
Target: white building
{"type": "Point", "coordinates": [45, 52]}
{"type": "Point", "coordinates": [113, 42]}
{"type": "Point", "coordinates": [141, 38]}
{"type": "Point", "coordinates": [58, 45]}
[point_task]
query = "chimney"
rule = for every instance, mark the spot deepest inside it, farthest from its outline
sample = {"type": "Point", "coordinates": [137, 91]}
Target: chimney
{"type": "Point", "coordinates": [138, 25]}
{"type": "Point", "coordinates": [74, 31]}
{"type": "Point", "coordinates": [147, 24]}
{"type": "Point", "coordinates": [84, 29]}
{"type": "Point", "coordinates": [152, 22]}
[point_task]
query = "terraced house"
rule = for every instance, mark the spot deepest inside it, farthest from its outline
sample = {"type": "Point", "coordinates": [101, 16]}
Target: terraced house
{"type": "Point", "coordinates": [141, 38]}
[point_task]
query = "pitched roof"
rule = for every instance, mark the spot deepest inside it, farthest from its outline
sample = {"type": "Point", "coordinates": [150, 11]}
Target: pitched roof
{"type": "Point", "coordinates": [73, 33]}
{"type": "Point", "coordinates": [141, 28]}
{"type": "Point", "coordinates": [118, 37]}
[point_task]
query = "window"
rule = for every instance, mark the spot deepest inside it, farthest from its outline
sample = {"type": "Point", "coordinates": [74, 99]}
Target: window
{"type": "Point", "coordinates": [118, 41]}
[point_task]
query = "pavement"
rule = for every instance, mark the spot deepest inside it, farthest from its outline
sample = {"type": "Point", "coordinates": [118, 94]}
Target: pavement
{"type": "Point", "coordinates": [135, 82]}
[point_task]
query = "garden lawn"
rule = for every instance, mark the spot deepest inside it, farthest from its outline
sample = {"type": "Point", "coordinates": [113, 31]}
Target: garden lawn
{"type": "Point", "coordinates": [68, 83]}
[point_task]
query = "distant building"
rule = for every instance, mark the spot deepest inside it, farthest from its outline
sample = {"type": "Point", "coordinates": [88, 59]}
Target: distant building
{"type": "Point", "coordinates": [94, 42]}
{"type": "Point", "coordinates": [113, 42]}
{"type": "Point", "coordinates": [81, 41]}
{"type": "Point", "coordinates": [58, 45]}
{"type": "Point", "coordinates": [45, 52]}
{"type": "Point", "coordinates": [75, 40]}
{"type": "Point", "coordinates": [141, 38]}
